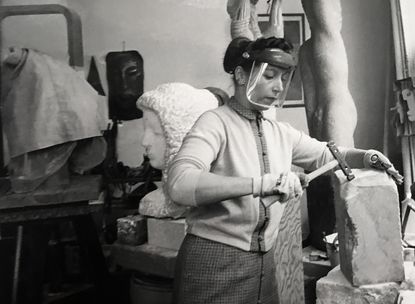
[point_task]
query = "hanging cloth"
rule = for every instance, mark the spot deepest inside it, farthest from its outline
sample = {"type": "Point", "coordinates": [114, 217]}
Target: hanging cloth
{"type": "Point", "coordinates": [47, 103]}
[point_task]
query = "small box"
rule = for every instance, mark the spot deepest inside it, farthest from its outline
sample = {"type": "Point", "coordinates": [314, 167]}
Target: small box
{"type": "Point", "coordinates": [132, 230]}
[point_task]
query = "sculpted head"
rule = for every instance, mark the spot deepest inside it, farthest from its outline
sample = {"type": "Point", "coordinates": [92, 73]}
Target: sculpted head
{"type": "Point", "coordinates": [169, 112]}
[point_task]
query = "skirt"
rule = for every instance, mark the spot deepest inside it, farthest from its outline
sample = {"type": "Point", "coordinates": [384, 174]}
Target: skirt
{"type": "Point", "coordinates": [212, 272]}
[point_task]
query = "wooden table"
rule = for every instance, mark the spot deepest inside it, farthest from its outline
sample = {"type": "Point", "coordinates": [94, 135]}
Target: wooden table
{"type": "Point", "coordinates": [31, 214]}
{"type": "Point", "coordinates": [146, 259]}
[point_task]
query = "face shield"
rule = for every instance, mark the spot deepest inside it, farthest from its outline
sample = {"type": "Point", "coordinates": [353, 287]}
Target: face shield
{"type": "Point", "coordinates": [285, 64]}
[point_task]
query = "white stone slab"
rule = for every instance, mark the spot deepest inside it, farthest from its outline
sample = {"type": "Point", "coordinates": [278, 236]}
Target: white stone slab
{"type": "Point", "coordinates": [166, 233]}
{"type": "Point", "coordinates": [368, 223]}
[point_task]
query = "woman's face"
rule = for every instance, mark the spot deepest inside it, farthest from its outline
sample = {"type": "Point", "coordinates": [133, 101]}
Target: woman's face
{"type": "Point", "coordinates": [154, 141]}
{"type": "Point", "coordinates": [269, 87]}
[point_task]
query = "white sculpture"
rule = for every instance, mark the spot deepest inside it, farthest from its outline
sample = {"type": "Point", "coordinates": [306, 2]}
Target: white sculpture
{"type": "Point", "coordinates": [169, 112]}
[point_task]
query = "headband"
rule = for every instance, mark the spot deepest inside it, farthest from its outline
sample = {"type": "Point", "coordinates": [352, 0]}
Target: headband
{"type": "Point", "coordinates": [274, 56]}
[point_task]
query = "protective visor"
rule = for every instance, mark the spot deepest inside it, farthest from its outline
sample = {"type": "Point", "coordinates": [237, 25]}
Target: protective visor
{"type": "Point", "coordinates": [286, 65]}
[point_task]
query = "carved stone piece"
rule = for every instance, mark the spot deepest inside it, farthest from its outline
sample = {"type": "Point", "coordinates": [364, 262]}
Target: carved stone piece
{"type": "Point", "coordinates": [367, 216]}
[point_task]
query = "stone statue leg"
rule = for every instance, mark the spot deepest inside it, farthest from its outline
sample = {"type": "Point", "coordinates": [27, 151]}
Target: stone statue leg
{"type": "Point", "coordinates": [334, 113]}
{"type": "Point", "coordinates": [276, 23]}
{"type": "Point", "coordinates": [331, 113]}
{"type": "Point", "coordinates": [313, 113]}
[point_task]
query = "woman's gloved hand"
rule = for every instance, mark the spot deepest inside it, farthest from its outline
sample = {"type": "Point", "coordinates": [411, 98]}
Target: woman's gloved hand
{"type": "Point", "coordinates": [284, 186]}
{"type": "Point", "coordinates": [375, 159]}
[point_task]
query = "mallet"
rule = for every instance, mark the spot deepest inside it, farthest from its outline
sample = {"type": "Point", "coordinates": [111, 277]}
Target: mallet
{"type": "Point", "coordinates": [338, 161]}
{"type": "Point", "coordinates": [306, 178]}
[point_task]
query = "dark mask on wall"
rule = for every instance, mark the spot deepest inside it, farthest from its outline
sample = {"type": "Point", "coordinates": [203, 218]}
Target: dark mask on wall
{"type": "Point", "coordinates": [125, 75]}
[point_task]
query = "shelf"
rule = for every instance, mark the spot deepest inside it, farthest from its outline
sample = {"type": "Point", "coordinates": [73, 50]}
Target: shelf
{"type": "Point", "coordinates": [146, 259]}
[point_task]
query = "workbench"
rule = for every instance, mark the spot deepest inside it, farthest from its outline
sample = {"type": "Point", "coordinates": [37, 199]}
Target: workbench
{"type": "Point", "coordinates": [32, 215]}
{"type": "Point", "coordinates": [146, 259]}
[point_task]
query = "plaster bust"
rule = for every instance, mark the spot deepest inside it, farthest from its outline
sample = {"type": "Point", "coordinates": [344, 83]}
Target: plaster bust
{"type": "Point", "coordinates": [169, 112]}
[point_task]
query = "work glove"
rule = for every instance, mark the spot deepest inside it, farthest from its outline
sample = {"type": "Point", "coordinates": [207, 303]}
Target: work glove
{"type": "Point", "coordinates": [277, 187]}
{"type": "Point", "coordinates": [375, 159]}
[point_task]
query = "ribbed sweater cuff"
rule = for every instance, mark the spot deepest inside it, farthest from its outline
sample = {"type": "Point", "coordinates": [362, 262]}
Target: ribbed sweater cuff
{"type": "Point", "coordinates": [256, 186]}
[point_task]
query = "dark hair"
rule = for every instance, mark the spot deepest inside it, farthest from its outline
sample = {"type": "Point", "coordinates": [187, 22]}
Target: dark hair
{"type": "Point", "coordinates": [238, 46]}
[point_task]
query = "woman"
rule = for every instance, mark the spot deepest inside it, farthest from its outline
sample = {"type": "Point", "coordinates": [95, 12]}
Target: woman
{"type": "Point", "coordinates": [234, 169]}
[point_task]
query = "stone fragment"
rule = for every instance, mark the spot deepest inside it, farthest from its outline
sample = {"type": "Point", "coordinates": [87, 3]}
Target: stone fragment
{"type": "Point", "coordinates": [336, 289]}
{"type": "Point", "coordinates": [132, 230]}
{"type": "Point", "coordinates": [367, 216]}
{"type": "Point", "coordinates": [166, 233]}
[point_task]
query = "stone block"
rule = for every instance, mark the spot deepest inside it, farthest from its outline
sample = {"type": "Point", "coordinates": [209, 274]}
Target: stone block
{"type": "Point", "coordinates": [132, 230]}
{"type": "Point", "coordinates": [336, 289]}
{"type": "Point", "coordinates": [406, 297]}
{"type": "Point", "coordinates": [368, 223]}
{"type": "Point", "coordinates": [166, 233]}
